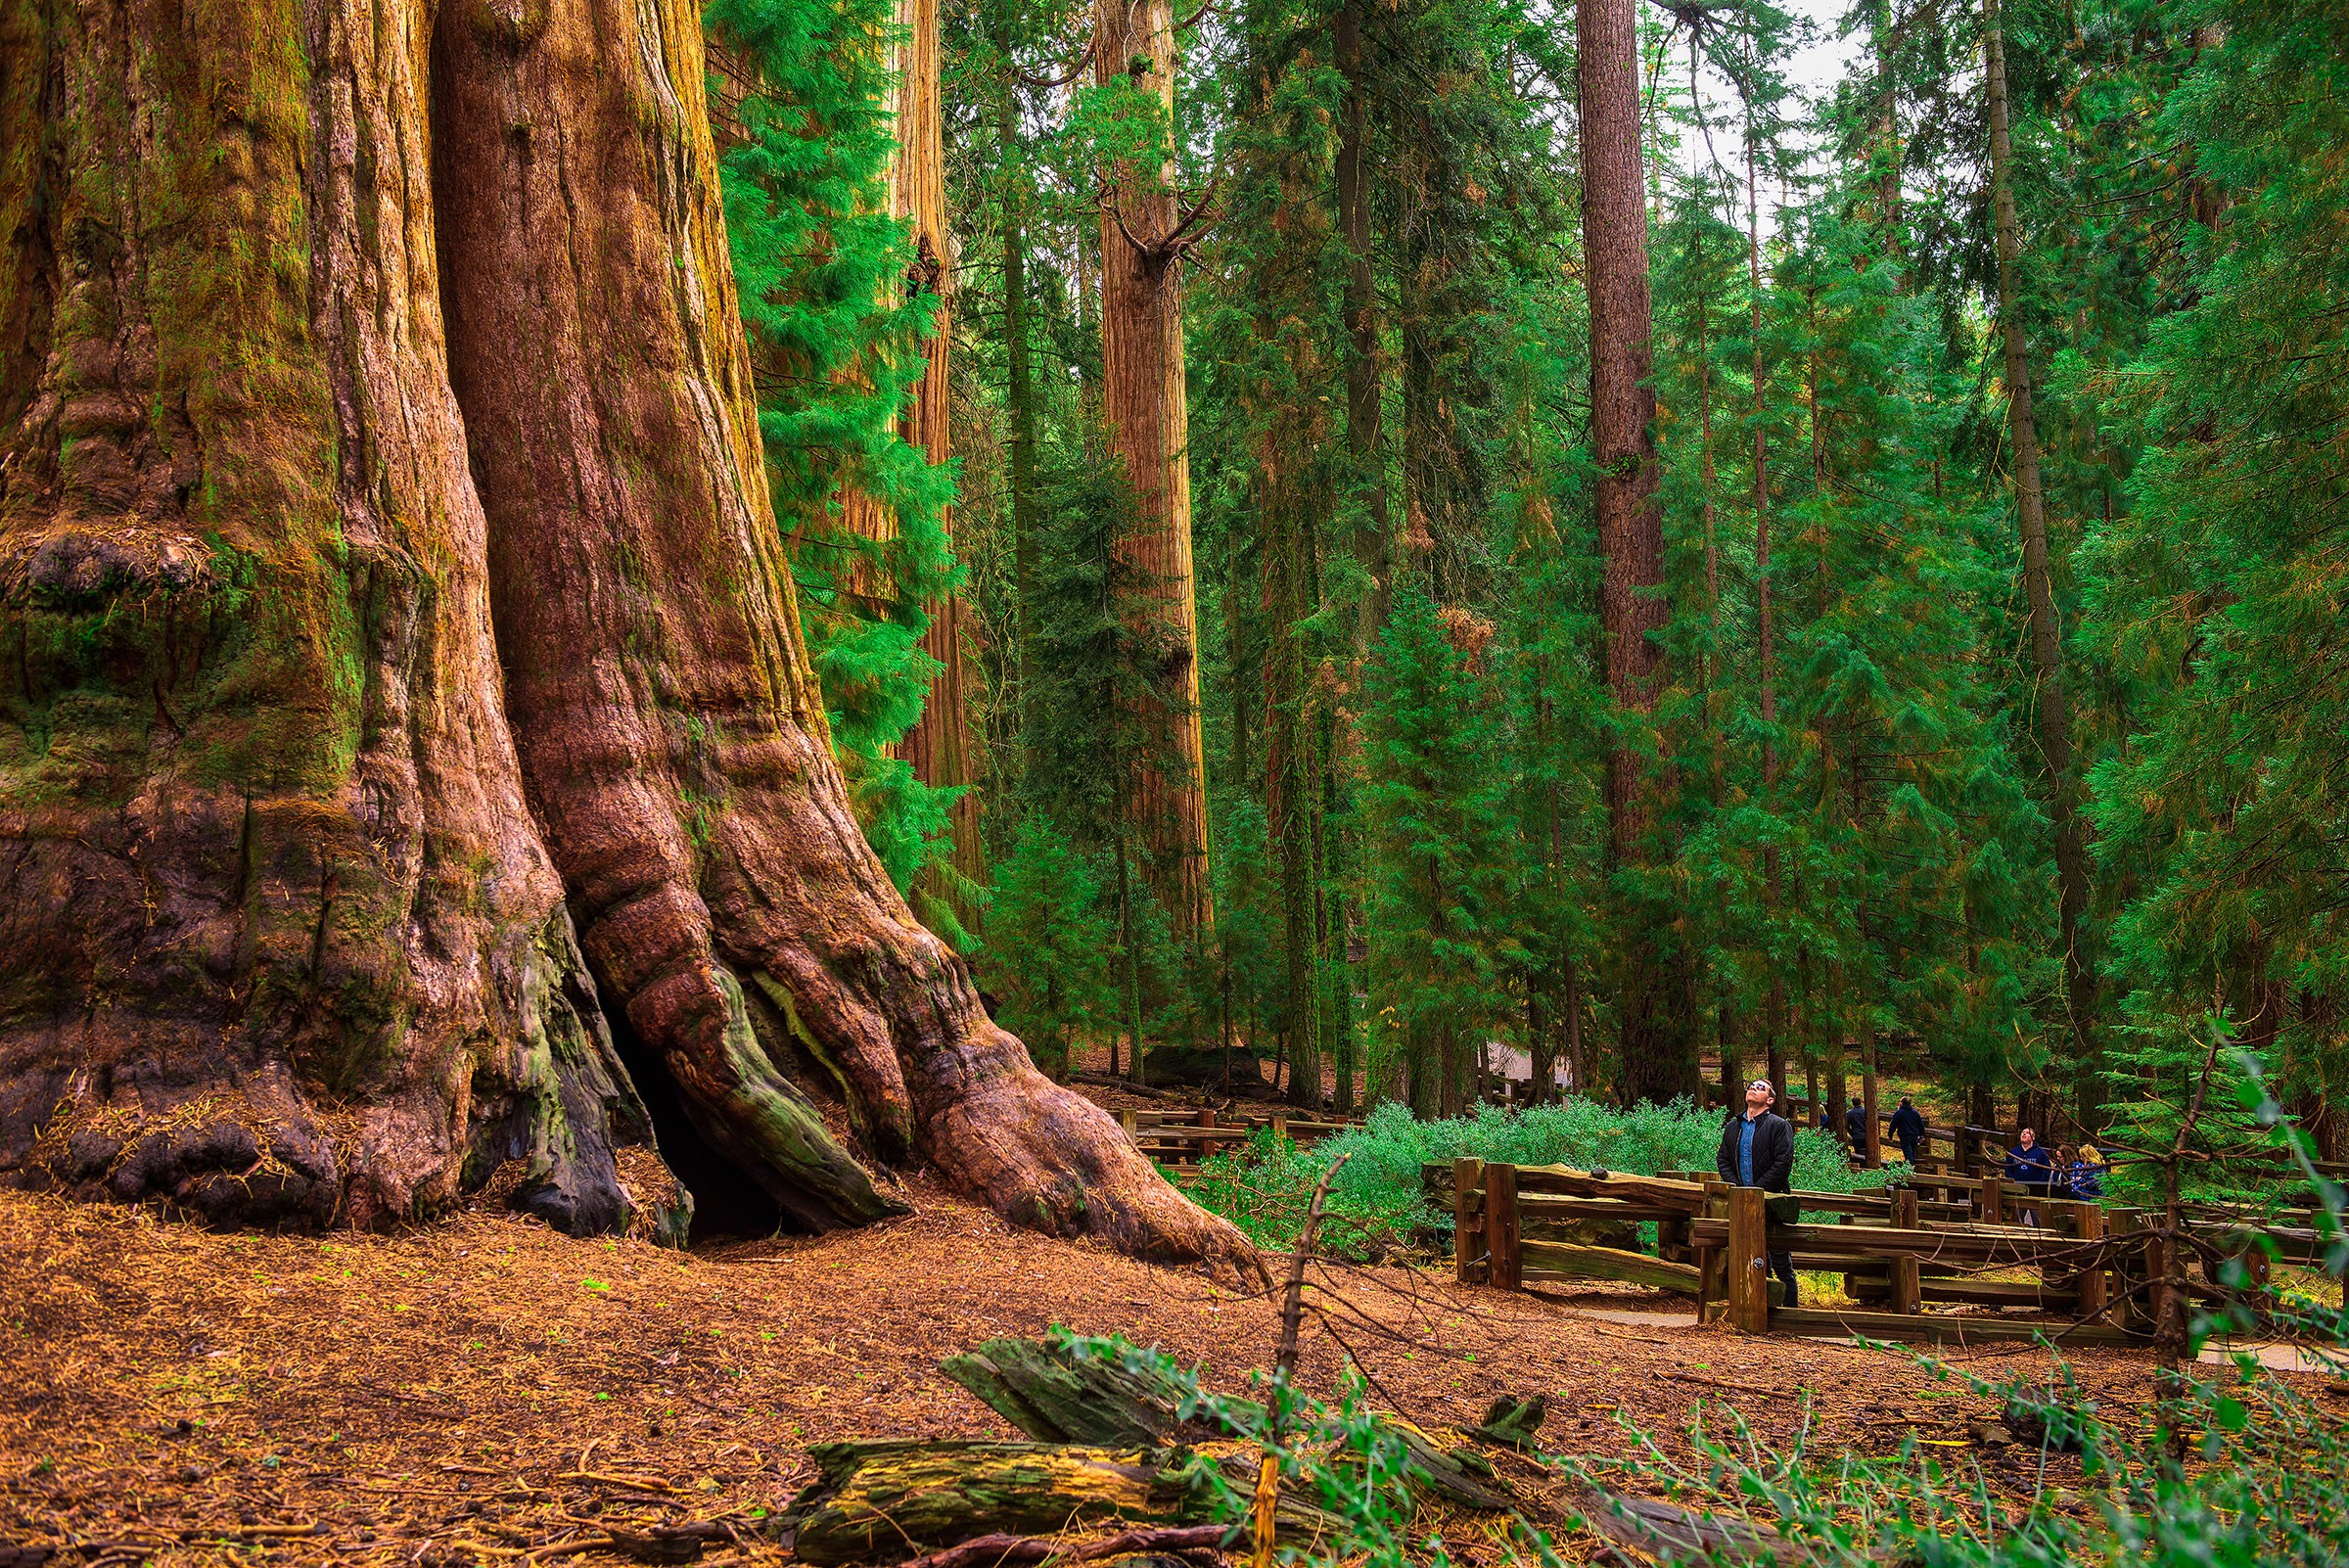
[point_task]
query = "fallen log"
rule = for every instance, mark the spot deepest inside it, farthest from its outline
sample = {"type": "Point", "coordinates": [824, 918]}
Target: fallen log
{"type": "Point", "coordinates": [1054, 1396]}
{"type": "Point", "coordinates": [1000, 1551]}
{"type": "Point", "coordinates": [875, 1500]}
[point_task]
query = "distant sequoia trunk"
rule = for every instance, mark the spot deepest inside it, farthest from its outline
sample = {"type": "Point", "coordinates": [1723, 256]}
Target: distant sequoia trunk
{"type": "Point", "coordinates": [389, 591]}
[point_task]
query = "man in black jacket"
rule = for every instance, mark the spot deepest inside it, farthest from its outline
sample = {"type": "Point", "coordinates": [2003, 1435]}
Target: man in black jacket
{"type": "Point", "coordinates": [1757, 1150]}
{"type": "Point", "coordinates": [1910, 1128]}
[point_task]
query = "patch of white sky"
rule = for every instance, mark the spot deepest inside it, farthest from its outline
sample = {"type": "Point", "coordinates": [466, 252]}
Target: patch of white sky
{"type": "Point", "coordinates": [1823, 56]}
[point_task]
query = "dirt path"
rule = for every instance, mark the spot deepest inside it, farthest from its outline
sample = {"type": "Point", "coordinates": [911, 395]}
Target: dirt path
{"type": "Point", "coordinates": [424, 1397]}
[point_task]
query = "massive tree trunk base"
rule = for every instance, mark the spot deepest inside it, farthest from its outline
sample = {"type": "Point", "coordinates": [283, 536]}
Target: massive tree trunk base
{"type": "Point", "coordinates": [387, 584]}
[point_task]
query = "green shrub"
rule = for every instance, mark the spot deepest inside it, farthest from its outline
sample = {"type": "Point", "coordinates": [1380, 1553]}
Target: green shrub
{"type": "Point", "coordinates": [1377, 1205]}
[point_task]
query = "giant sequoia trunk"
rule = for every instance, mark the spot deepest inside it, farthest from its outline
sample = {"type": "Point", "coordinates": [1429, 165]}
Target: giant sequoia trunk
{"type": "Point", "coordinates": [356, 358]}
{"type": "Point", "coordinates": [1658, 1059]}
{"type": "Point", "coordinates": [1146, 414]}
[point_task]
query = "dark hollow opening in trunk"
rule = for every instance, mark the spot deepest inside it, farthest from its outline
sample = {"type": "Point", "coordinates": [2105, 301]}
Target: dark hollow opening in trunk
{"type": "Point", "coordinates": [726, 1203]}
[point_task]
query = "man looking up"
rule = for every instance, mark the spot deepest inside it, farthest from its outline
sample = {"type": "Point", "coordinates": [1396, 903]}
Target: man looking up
{"type": "Point", "coordinates": [1757, 1150]}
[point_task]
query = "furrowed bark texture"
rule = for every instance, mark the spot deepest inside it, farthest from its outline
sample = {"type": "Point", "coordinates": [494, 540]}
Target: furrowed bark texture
{"type": "Point", "coordinates": [939, 748]}
{"type": "Point", "coordinates": [283, 939]}
{"type": "Point", "coordinates": [1657, 1054]}
{"type": "Point", "coordinates": [278, 942]}
{"type": "Point", "coordinates": [1144, 409]}
{"type": "Point", "coordinates": [670, 730]}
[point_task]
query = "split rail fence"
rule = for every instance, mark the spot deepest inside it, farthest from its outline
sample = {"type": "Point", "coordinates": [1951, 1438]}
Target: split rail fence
{"type": "Point", "coordinates": [1187, 1137]}
{"type": "Point", "coordinates": [2099, 1270]}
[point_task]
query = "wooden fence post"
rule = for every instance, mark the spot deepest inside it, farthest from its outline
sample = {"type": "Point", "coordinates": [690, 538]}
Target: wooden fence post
{"type": "Point", "coordinates": [1130, 1126]}
{"type": "Point", "coordinates": [1712, 1279]}
{"type": "Point", "coordinates": [1468, 1224]}
{"type": "Point", "coordinates": [1280, 1126]}
{"type": "Point", "coordinates": [1749, 1276]}
{"type": "Point", "coordinates": [1908, 1288]}
{"type": "Point", "coordinates": [1991, 1207]}
{"type": "Point", "coordinates": [2088, 1226]}
{"type": "Point", "coordinates": [1504, 1269]}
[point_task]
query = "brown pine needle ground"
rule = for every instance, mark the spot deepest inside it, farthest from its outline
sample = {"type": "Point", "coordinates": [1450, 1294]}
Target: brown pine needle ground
{"type": "Point", "coordinates": [487, 1391]}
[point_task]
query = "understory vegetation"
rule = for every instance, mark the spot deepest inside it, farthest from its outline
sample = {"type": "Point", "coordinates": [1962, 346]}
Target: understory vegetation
{"type": "Point", "coordinates": [1377, 1205]}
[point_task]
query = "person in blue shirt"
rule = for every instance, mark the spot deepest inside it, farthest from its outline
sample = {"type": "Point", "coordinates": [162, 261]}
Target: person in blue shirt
{"type": "Point", "coordinates": [2030, 1164]}
{"type": "Point", "coordinates": [1757, 1150]}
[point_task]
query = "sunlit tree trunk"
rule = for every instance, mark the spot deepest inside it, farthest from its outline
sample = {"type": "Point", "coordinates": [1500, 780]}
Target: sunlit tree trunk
{"type": "Point", "coordinates": [1145, 414]}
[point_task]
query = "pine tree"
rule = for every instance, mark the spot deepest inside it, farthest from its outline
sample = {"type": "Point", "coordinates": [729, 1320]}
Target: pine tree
{"type": "Point", "coordinates": [802, 107]}
{"type": "Point", "coordinates": [1438, 844]}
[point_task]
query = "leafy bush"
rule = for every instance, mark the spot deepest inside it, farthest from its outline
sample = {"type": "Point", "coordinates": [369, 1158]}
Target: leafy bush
{"type": "Point", "coordinates": [1377, 1204]}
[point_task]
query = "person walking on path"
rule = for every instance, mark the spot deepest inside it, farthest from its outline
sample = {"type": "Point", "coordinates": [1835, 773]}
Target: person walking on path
{"type": "Point", "coordinates": [1855, 1125]}
{"type": "Point", "coordinates": [2030, 1164]}
{"type": "Point", "coordinates": [1757, 1150]}
{"type": "Point", "coordinates": [1908, 1129]}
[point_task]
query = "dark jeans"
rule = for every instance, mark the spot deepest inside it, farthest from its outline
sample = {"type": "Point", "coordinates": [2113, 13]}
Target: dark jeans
{"type": "Point", "coordinates": [1908, 1151]}
{"type": "Point", "coordinates": [1781, 1267]}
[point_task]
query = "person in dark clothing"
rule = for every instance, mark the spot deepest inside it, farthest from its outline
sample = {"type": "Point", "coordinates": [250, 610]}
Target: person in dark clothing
{"type": "Point", "coordinates": [1910, 1128]}
{"type": "Point", "coordinates": [2030, 1164]}
{"type": "Point", "coordinates": [1855, 1124]}
{"type": "Point", "coordinates": [1757, 1150]}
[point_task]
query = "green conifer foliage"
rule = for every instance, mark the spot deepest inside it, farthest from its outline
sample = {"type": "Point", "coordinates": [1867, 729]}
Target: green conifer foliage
{"type": "Point", "coordinates": [2220, 590]}
{"type": "Point", "coordinates": [1051, 921]}
{"type": "Point", "coordinates": [800, 101]}
{"type": "Point", "coordinates": [1439, 844]}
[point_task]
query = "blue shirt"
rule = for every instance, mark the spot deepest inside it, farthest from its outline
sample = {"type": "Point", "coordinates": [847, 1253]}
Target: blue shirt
{"type": "Point", "coordinates": [1745, 1150]}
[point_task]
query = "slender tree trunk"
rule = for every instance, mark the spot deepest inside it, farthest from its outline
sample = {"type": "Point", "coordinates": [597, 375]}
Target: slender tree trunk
{"type": "Point", "coordinates": [1290, 778]}
{"type": "Point", "coordinates": [1145, 412]}
{"type": "Point", "coordinates": [1658, 1053]}
{"type": "Point", "coordinates": [1019, 380]}
{"type": "Point", "coordinates": [1360, 307]}
{"type": "Point", "coordinates": [1773, 1015]}
{"type": "Point", "coordinates": [2046, 637]}
{"type": "Point", "coordinates": [939, 748]}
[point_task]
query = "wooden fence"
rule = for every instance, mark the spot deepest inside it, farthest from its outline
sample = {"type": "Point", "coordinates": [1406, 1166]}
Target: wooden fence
{"type": "Point", "coordinates": [1186, 1137]}
{"type": "Point", "coordinates": [2101, 1271]}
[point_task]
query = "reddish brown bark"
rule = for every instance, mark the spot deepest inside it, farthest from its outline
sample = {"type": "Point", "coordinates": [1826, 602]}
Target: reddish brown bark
{"type": "Point", "coordinates": [268, 848]}
{"type": "Point", "coordinates": [1146, 415]}
{"type": "Point", "coordinates": [1657, 1058]}
{"type": "Point", "coordinates": [278, 941]}
{"type": "Point", "coordinates": [939, 747]}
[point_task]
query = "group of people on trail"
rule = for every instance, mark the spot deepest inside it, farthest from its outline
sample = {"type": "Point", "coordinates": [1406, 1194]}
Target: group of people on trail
{"type": "Point", "coordinates": [2064, 1173]}
{"type": "Point", "coordinates": [1757, 1150]}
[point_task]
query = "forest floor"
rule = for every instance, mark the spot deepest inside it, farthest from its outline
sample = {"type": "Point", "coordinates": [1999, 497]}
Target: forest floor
{"type": "Point", "coordinates": [485, 1389]}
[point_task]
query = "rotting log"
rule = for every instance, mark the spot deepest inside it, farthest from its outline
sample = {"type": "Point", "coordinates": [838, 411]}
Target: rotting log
{"type": "Point", "coordinates": [874, 1499]}
{"type": "Point", "coordinates": [1053, 1394]}
{"type": "Point", "coordinates": [1055, 1397]}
